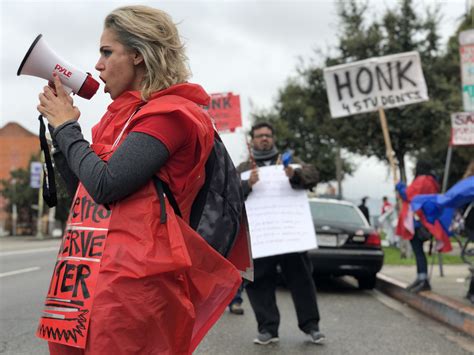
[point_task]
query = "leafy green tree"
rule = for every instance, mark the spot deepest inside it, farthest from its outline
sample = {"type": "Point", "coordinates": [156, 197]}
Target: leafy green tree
{"type": "Point", "coordinates": [301, 112]}
{"type": "Point", "coordinates": [16, 190]}
{"type": "Point", "coordinates": [412, 128]}
{"type": "Point", "coordinates": [449, 86]}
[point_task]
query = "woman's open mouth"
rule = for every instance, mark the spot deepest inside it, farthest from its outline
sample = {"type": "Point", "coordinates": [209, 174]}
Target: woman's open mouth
{"type": "Point", "coordinates": [105, 82]}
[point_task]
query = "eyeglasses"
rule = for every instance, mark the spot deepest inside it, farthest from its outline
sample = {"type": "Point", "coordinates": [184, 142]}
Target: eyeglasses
{"type": "Point", "coordinates": [263, 135]}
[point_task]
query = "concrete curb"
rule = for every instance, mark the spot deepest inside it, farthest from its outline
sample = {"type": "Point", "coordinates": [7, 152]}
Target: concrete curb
{"type": "Point", "coordinates": [439, 307]}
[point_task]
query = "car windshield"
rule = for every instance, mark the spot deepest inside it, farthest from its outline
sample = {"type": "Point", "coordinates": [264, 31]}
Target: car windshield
{"type": "Point", "coordinates": [332, 212]}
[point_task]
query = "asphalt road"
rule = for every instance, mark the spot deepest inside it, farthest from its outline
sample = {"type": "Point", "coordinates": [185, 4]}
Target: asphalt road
{"type": "Point", "coordinates": [354, 321]}
{"type": "Point", "coordinates": [24, 280]}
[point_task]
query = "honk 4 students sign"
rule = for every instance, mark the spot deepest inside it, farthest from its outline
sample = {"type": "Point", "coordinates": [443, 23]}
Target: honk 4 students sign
{"type": "Point", "coordinates": [371, 84]}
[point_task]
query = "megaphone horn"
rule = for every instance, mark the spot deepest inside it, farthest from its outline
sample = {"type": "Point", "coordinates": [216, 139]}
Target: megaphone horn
{"type": "Point", "coordinates": [41, 61]}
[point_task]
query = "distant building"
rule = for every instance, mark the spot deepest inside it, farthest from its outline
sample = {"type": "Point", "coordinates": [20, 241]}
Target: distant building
{"type": "Point", "coordinates": [17, 145]}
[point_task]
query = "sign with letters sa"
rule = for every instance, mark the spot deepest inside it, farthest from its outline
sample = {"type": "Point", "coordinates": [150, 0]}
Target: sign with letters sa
{"type": "Point", "coordinates": [225, 110]}
{"type": "Point", "coordinates": [462, 128]}
{"type": "Point", "coordinates": [379, 82]}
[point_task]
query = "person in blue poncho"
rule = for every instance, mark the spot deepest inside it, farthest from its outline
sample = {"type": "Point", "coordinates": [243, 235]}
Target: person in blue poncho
{"type": "Point", "coordinates": [441, 208]}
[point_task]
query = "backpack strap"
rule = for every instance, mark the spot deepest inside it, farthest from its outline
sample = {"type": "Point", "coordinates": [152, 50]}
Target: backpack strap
{"type": "Point", "coordinates": [226, 166]}
{"type": "Point", "coordinates": [163, 189]}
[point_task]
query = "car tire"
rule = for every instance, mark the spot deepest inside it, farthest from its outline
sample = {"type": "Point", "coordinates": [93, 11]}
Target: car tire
{"type": "Point", "coordinates": [367, 282]}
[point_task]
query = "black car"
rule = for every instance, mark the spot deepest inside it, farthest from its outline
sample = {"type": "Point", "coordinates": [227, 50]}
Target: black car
{"type": "Point", "coordinates": [347, 244]}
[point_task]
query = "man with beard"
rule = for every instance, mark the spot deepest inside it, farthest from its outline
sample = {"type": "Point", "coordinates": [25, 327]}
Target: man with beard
{"type": "Point", "coordinates": [295, 267]}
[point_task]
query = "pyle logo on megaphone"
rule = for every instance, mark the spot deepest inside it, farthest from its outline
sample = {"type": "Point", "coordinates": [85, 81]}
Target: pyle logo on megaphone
{"type": "Point", "coordinates": [62, 70]}
{"type": "Point", "coordinates": [41, 61]}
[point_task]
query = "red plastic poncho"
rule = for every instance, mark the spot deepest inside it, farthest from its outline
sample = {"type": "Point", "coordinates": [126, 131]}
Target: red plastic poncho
{"type": "Point", "coordinates": [423, 184]}
{"type": "Point", "coordinates": [160, 287]}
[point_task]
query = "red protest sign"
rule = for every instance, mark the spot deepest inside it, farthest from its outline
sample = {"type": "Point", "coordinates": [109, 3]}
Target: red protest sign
{"type": "Point", "coordinates": [225, 110]}
{"type": "Point", "coordinates": [66, 314]}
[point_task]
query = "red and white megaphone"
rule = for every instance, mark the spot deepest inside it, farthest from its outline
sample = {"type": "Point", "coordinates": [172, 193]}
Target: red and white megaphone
{"type": "Point", "coordinates": [41, 61]}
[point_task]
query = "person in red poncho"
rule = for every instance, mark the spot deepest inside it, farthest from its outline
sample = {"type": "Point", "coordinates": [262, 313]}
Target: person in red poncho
{"type": "Point", "coordinates": [414, 227]}
{"type": "Point", "coordinates": [130, 279]}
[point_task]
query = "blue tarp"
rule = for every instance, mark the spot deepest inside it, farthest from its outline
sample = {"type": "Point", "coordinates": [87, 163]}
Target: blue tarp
{"type": "Point", "coordinates": [442, 206]}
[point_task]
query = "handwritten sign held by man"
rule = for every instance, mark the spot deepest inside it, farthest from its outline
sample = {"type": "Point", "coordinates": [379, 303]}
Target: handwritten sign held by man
{"type": "Point", "coordinates": [374, 83]}
{"type": "Point", "coordinates": [279, 217]}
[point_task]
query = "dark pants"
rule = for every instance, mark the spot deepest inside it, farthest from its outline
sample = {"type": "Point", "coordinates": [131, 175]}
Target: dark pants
{"type": "Point", "coordinates": [420, 257]}
{"type": "Point", "coordinates": [238, 296]}
{"type": "Point", "coordinates": [296, 269]}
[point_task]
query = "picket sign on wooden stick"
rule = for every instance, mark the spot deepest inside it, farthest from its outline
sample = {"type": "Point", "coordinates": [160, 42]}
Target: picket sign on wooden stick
{"type": "Point", "coordinates": [375, 84]}
{"type": "Point", "coordinates": [388, 144]}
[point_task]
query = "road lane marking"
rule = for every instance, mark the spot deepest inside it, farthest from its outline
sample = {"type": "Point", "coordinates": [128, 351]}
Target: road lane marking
{"type": "Point", "coordinates": [21, 271]}
{"type": "Point", "coordinates": [28, 251]}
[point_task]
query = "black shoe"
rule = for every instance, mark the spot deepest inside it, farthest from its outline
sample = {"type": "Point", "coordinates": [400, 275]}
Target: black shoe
{"type": "Point", "coordinates": [423, 285]}
{"type": "Point", "coordinates": [265, 338]}
{"type": "Point", "coordinates": [413, 284]}
{"type": "Point", "coordinates": [236, 308]}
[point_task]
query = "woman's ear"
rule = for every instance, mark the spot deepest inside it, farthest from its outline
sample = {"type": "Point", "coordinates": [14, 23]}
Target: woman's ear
{"type": "Point", "coordinates": [138, 58]}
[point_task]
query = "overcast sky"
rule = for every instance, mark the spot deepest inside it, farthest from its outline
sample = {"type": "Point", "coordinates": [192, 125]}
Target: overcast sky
{"type": "Point", "coordinates": [247, 47]}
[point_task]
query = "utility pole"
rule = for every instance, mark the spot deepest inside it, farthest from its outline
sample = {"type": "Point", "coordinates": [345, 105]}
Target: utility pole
{"type": "Point", "coordinates": [339, 172]}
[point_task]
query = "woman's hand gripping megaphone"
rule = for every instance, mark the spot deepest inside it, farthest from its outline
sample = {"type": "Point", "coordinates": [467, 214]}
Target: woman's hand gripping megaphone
{"type": "Point", "coordinates": [56, 105]}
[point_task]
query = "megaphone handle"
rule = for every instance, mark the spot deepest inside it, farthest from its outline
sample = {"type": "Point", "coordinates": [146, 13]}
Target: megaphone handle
{"type": "Point", "coordinates": [66, 88]}
{"type": "Point", "coordinates": [49, 182]}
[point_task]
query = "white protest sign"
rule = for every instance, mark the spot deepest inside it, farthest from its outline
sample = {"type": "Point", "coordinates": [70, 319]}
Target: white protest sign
{"type": "Point", "coordinates": [279, 217]}
{"type": "Point", "coordinates": [462, 128]}
{"type": "Point", "coordinates": [370, 84]}
{"type": "Point", "coordinates": [466, 49]}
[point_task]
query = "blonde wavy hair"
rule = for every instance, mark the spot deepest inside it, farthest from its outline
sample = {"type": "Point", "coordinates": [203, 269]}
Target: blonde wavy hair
{"type": "Point", "coordinates": [152, 33]}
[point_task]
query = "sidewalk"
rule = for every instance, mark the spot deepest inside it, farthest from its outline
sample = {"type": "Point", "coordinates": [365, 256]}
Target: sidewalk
{"type": "Point", "coordinates": [446, 301]}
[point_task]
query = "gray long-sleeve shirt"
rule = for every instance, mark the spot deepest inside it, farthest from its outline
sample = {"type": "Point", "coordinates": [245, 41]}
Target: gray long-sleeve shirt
{"type": "Point", "coordinates": [131, 166]}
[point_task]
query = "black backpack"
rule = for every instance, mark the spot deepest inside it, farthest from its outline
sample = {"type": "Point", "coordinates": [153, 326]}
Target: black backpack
{"type": "Point", "coordinates": [219, 206]}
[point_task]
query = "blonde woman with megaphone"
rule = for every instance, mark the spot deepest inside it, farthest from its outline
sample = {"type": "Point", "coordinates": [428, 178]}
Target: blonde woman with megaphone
{"type": "Point", "coordinates": [129, 279]}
